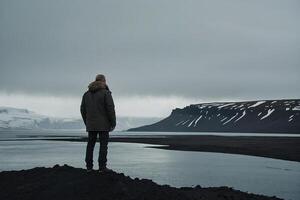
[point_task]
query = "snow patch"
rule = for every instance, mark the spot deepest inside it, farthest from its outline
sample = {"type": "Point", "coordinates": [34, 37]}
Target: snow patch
{"type": "Point", "coordinates": [190, 124]}
{"type": "Point", "coordinates": [296, 108]}
{"type": "Point", "coordinates": [257, 104]}
{"type": "Point", "coordinates": [291, 118]}
{"type": "Point", "coordinates": [229, 104]}
{"type": "Point", "coordinates": [224, 119]}
{"type": "Point", "coordinates": [231, 118]}
{"type": "Point", "coordinates": [197, 120]}
{"type": "Point", "coordinates": [259, 114]}
{"type": "Point", "coordinates": [244, 113]}
{"type": "Point", "coordinates": [268, 114]}
{"type": "Point", "coordinates": [185, 122]}
{"type": "Point", "coordinates": [179, 123]}
{"type": "Point", "coordinates": [201, 106]}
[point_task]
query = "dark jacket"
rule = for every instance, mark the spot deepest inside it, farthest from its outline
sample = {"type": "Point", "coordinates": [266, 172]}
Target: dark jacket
{"type": "Point", "coordinates": [97, 108]}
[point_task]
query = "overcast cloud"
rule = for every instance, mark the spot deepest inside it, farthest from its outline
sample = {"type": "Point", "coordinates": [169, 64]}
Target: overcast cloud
{"type": "Point", "coordinates": [207, 50]}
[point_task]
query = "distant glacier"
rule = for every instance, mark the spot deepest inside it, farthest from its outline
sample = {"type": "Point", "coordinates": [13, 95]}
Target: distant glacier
{"type": "Point", "coordinates": [21, 119]}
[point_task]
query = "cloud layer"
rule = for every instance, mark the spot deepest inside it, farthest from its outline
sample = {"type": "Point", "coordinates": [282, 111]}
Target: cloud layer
{"type": "Point", "coordinates": [193, 49]}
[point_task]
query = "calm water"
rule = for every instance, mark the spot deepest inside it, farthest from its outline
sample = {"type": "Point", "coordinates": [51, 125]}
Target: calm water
{"type": "Point", "coordinates": [177, 168]}
{"type": "Point", "coordinates": [79, 133]}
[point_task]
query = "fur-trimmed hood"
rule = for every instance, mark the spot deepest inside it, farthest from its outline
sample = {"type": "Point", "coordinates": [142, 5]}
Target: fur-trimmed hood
{"type": "Point", "coordinates": [97, 85]}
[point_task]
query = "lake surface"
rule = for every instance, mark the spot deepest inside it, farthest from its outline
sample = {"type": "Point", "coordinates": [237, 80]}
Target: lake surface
{"type": "Point", "coordinates": [30, 134]}
{"type": "Point", "coordinates": [177, 168]}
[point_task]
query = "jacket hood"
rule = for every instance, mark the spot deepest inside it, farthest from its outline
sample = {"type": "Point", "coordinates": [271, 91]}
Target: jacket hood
{"type": "Point", "coordinates": [97, 85]}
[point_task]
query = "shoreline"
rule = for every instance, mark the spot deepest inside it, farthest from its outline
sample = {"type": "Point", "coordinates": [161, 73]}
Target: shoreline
{"type": "Point", "coordinates": [284, 148]}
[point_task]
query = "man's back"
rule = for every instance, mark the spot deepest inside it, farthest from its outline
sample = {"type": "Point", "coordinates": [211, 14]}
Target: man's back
{"type": "Point", "coordinates": [97, 108]}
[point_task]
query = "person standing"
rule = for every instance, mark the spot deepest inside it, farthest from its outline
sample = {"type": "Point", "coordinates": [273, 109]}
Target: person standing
{"type": "Point", "coordinates": [98, 114]}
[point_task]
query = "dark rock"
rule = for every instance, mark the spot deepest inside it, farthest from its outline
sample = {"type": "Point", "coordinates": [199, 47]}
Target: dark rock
{"type": "Point", "coordinates": [197, 187]}
{"type": "Point", "coordinates": [65, 182]}
{"type": "Point", "coordinates": [56, 166]}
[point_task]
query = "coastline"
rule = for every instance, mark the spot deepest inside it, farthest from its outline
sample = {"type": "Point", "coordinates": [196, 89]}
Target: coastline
{"type": "Point", "coordinates": [285, 148]}
{"type": "Point", "coordinates": [186, 142]}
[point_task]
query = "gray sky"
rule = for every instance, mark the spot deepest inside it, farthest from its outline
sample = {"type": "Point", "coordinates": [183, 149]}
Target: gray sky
{"type": "Point", "coordinates": [185, 51]}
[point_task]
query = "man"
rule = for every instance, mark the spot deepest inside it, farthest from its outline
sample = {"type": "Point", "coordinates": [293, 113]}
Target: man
{"type": "Point", "coordinates": [98, 113]}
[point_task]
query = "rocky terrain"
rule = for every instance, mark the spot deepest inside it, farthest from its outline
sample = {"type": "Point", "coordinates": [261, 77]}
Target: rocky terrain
{"type": "Point", "coordinates": [265, 116]}
{"type": "Point", "coordinates": [65, 182]}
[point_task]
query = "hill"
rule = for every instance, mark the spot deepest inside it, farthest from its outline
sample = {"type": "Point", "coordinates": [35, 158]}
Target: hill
{"type": "Point", "coordinates": [65, 182]}
{"type": "Point", "coordinates": [265, 116]}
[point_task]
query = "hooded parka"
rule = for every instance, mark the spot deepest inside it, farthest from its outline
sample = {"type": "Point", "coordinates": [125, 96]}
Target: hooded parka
{"type": "Point", "coordinates": [97, 108]}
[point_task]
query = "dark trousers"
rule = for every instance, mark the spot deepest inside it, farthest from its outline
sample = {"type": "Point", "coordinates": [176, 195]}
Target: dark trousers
{"type": "Point", "coordinates": [102, 159]}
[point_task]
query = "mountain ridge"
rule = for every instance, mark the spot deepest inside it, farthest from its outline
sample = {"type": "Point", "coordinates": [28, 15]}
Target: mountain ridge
{"type": "Point", "coordinates": [265, 116]}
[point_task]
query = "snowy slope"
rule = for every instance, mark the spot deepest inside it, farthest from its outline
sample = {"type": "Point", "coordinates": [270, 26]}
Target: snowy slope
{"type": "Point", "coordinates": [250, 116]}
{"type": "Point", "coordinates": [15, 118]}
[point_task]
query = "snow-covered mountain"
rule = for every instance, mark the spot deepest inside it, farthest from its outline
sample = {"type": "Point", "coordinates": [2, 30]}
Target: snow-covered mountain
{"type": "Point", "coordinates": [268, 116]}
{"type": "Point", "coordinates": [16, 118]}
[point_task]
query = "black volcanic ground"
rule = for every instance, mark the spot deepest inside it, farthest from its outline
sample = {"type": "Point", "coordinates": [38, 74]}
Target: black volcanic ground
{"type": "Point", "coordinates": [65, 182]}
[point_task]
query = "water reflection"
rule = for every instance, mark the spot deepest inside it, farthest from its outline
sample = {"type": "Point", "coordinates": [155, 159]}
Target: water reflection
{"type": "Point", "coordinates": [177, 168]}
